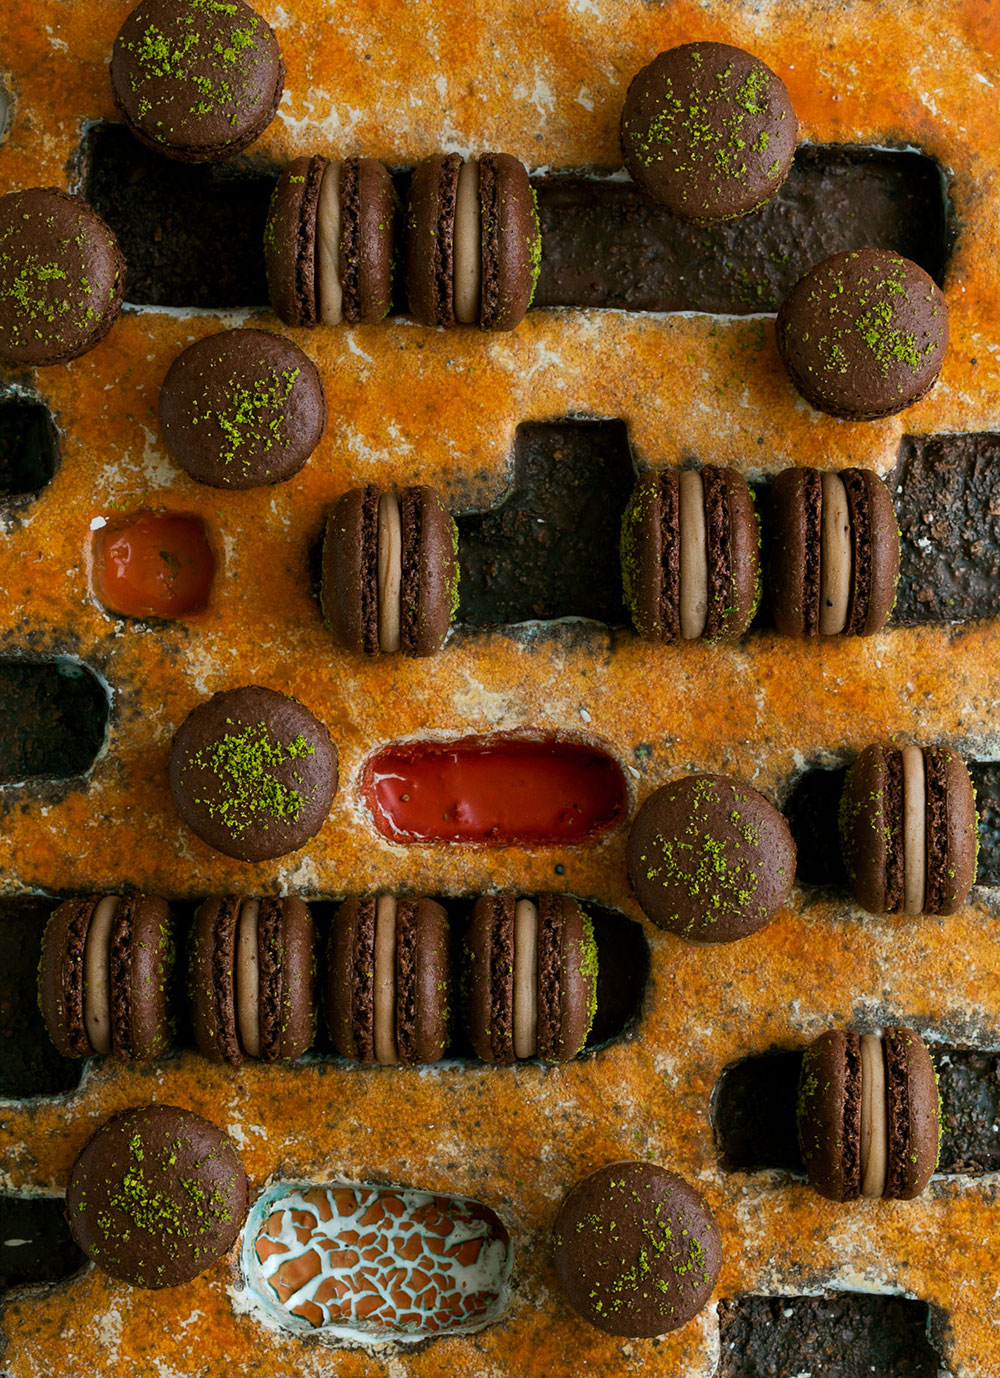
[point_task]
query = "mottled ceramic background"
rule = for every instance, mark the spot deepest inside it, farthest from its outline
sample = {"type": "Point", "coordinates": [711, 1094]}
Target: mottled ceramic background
{"type": "Point", "coordinates": [399, 79]}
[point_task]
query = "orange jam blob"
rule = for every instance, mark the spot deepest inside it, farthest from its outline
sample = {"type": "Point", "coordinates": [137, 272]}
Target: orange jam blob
{"type": "Point", "coordinates": [153, 564]}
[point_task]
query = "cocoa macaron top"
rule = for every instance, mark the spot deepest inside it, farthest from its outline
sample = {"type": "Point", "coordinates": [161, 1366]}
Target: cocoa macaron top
{"type": "Point", "coordinates": [156, 1196]}
{"type": "Point", "coordinates": [864, 334]}
{"type": "Point", "coordinates": [197, 80]}
{"type": "Point", "coordinates": [242, 408]}
{"type": "Point", "coordinates": [708, 131]}
{"type": "Point", "coordinates": [710, 859]}
{"type": "Point", "coordinates": [253, 773]}
{"type": "Point", "coordinates": [62, 276]}
{"type": "Point", "coordinates": [637, 1250]}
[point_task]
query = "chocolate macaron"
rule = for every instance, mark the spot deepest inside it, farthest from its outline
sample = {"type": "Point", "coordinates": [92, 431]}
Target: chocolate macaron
{"type": "Point", "coordinates": [390, 571]}
{"type": "Point", "coordinates": [62, 276]}
{"type": "Point", "coordinates": [864, 334]}
{"type": "Point", "coordinates": [252, 979]}
{"type": "Point", "coordinates": [908, 829]}
{"type": "Point", "coordinates": [530, 977]}
{"type": "Point", "coordinates": [329, 242]}
{"type": "Point", "coordinates": [156, 1196]}
{"type": "Point", "coordinates": [832, 552]}
{"type": "Point", "coordinates": [197, 80]}
{"type": "Point", "coordinates": [104, 976]}
{"type": "Point", "coordinates": [636, 1248]}
{"type": "Point", "coordinates": [473, 245]}
{"type": "Point", "coordinates": [387, 982]}
{"type": "Point", "coordinates": [242, 408]}
{"type": "Point", "coordinates": [253, 773]}
{"type": "Point", "coordinates": [690, 552]}
{"type": "Point", "coordinates": [708, 131]}
{"type": "Point", "coordinates": [868, 1115]}
{"type": "Point", "coordinates": [710, 859]}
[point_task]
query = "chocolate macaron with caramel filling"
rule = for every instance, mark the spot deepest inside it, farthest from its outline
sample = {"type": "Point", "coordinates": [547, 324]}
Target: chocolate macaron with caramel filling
{"type": "Point", "coordinates": [329, 242]}
{"type": "Point", "coordinates": [473, 246]}
{"type": "Point", "coordinates": [104, 976]}
{"type": "Point", "coordinates": [387, 982]}
{"type": "Point", "coordinates": [833, 552]}
{"type": "Point", "coordinates": [691, 555]}
{"type": "Point", "coordinates": [252, 979]}
{"type": "Point", "coordinates": [530, 978]}
{"type": "Point", "coordinates": [908, 829]}
{"type": "Point", "coordinates": [868, 1115]}
{"type": "Point", "coordinates": [390, 571]}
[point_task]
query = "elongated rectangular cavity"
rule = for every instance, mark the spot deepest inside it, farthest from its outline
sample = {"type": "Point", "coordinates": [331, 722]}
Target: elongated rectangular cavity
{"type": "Point", "coordinates": [53, 719]}
{"type": "Point", "coordinates": [367, 1264]}
{"type": "Point", "coordinates": [947, 496]}
{"type": "Point", "coordinates": [986, 781]}
{"type": "Point", "coordinates": [29, 1064]}
{"type": "Point", "coordinates": [607, 244]}
{"type": "Point", "coordinates": [837, 1335]}
{"type": "Point", "coordinates": [497, 791]}
{"type": "Point", "coordinates": [29, 447]}
{"type": "Point", "coordinates": [35, 1242]}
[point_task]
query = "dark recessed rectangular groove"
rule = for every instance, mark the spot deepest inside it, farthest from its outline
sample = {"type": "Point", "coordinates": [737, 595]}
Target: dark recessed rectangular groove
{"type": "Point", "coordinates": [29, 1064]}
{"type": "Point", "coordinates": [53, 719]}
{"type": "Point", "coordinates": [29, 447]}
{"type": "Point", "coordinates": [192, 234]}
{"type": "Point", "coordinates": [836, 1335]}
{"type": "Point", "coordinates": [35, 1242]}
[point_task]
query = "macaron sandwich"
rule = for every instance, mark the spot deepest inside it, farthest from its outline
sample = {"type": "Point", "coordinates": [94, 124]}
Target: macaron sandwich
{"type": "Point", "coordinates": [868, 1116]}
{"type": "Point", "coordinates": [104, 976]}
{"type": "Point", "coordinates": [252, 979]}
{"type": "Point", "coordinates": [908, 829]}
{"type": "Point", "coordinates": [529, 978]}
{"type": "Point", "coordinates": [387, 981]}
{"type": "Point", "coordinates": [329, 241]}
{"type": "Point", "coordinates": [473, 246]}
{"type": "Point", "coordinates": [691, 555]}
{"type": "Point", "coordinates": [390, 571]}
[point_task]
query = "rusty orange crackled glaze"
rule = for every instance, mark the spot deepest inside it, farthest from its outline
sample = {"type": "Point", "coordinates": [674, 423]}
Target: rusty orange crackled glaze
{"type": "Point", "coordinates": [399, 79]}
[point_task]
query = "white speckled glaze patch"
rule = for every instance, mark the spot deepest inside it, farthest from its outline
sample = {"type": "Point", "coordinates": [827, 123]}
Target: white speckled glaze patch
{"type": "Point", "coordinates": [366, 1264]}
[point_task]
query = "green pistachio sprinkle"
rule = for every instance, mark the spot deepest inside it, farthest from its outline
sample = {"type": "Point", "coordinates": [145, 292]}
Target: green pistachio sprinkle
{"type": "Point", "coordinates": [242, 764]}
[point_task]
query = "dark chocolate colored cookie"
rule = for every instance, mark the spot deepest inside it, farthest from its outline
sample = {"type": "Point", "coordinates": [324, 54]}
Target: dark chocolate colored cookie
{"type": "Point", "coordinates": [253, 773]}
{"type": "Point", "coordinates": [61, 277]}
{"type": "Point", "coordinates": [708, 130]}
{"type": "Point", "coordinates": [156, 1196]}
{"type": "Point", "coordinates": [196, 80]}
{"type": "Point", "coordinates": [252, 979]}
{"type": "Point", "coordinates": [242, 408]}
{"type": "Point", "coordinates": [637, 1250]}
{"type": "Point", "coordinates": [864, 334]}
{"type": "Point", "coordinates": [710, 859]}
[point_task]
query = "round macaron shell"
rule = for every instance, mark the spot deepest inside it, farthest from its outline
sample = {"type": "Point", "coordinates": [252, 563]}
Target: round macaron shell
{"type": "Point", "coordinates": [511, 241]}
{"type": "Point", "coordinates": [287, 987]}
{"type": "Point", "coordinates": [488, 985]}
{"type": "Point", "coordinates": [429, 249]}
{"type": "Point", "coordinates": [242, 408]}
{"type": "Point", "coordinates": [290, 241]}
{"type": "Point", "coordinates": [871, 828]}
{"type": "Point", "coordinates": [369, 210]}
{"type": "Point", "coordinates": [423, 980]}
{"type": "Point", "coordinates": [430, 570]}
{"type": "Point", "coordinates": [914, 1114]}
{"type": "Point", "coordinates": [734, 553]}
{"type": "Point", "coordinates": [349, 582]}
{"type": "Point", "coordinates": [564, 1036]}
{"type": "Point", "coordinates": [349, 979]}
{"type": "Point", "coordinates": [60, 976]}
{"type": "Point", "coordinates": [637, 1249]}
{"type": "Point", "coordinates": [876, 548]}
{"type": "Point", "coordinates": [952, 830]}
{"type": "Point", "coordinates": [145, 958]}
{"type": "Point", "coordinates": [156, 1196]}
{"type": "Point", "coordinates": [650, 552]}
{"type": "Point", "coordinates": [793, 527]}
{"type": "Point", "coordinates": [194, 79]}
{"type": "Point", "coordinates": [62, 277]}
{"type": "Point", "coordinates": [828, 1114]}
{"type": "Point", "coordinates": [212, 961]}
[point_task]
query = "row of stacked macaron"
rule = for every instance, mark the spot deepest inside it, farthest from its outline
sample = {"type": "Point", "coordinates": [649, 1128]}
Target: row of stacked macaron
{"type": "Point", "coordinates": [636, 1248]}
{"type": "Point", "coordinates": [528, 981]}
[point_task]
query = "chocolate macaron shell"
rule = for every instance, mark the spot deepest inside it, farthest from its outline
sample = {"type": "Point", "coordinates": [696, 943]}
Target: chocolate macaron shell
{"type": "Point", "coordinates": [489, 978]}
{"type": "Point", "coordinates": [430, 249]}
{"type": "Point", "coordinates": [211, 979]}
{"type": "Point", "coordinates": [150, 972]}
{"type": "Point", "coordinates": [952, 830]}
{"type": "Point", "coordinates": [60, 975]}
{"type": "Point", "coordinates": [369, 210]}
{"type": "Point", "coordinates": [636, 1248]}
{"type": "Point", "coordinates": [62, 277]}
{"type": "Point", "coordinates": [349, 581]}
{"type": "Point", "coordinates": [733, 553]}
{"type": "Point", "coordinates": [913, 1114]}
{"type": "Point", "coordinates": [156, 1196]}
{"type": "Point", "coordinates": [429, 592]}
{"type": "Point", "coordinates": [864, 334]}
{"type": "Point", "coordinates": [650, 553]}
{"type": "Point", "coordinates": [349, 979]}
{"type": "Point", "coordinates": [871, 828]}
{"type": "Point", "coordinates": [794, 504]}
{"type": "Point", "coordinates": [511, 241]}
{"type": "Point", "coordinates": [423, 983]}
{"type": "Point", "coordinates": [196, 81]}
{"type": "Point", "coordinates": [567, 977]}
{"type": "Point", "coordinates": [296, 1012]}
{"type": "Point", "coordinates": [290, 241]}
{"type": "Point", "coordinates": [875, 551]}
{"type": "Point", "coordinates": [828, 1114]}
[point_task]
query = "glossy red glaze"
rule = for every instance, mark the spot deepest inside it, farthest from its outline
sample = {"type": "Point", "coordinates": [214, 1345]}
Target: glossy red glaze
{"type": "Point", "coordinates": [494, 790]}
{"type": "Point", "coordinates": [153, 564]}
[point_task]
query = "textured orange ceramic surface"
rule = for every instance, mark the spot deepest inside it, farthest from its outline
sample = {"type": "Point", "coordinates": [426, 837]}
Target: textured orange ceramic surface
{"type": "Point", "coordinates": [400, 79]}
